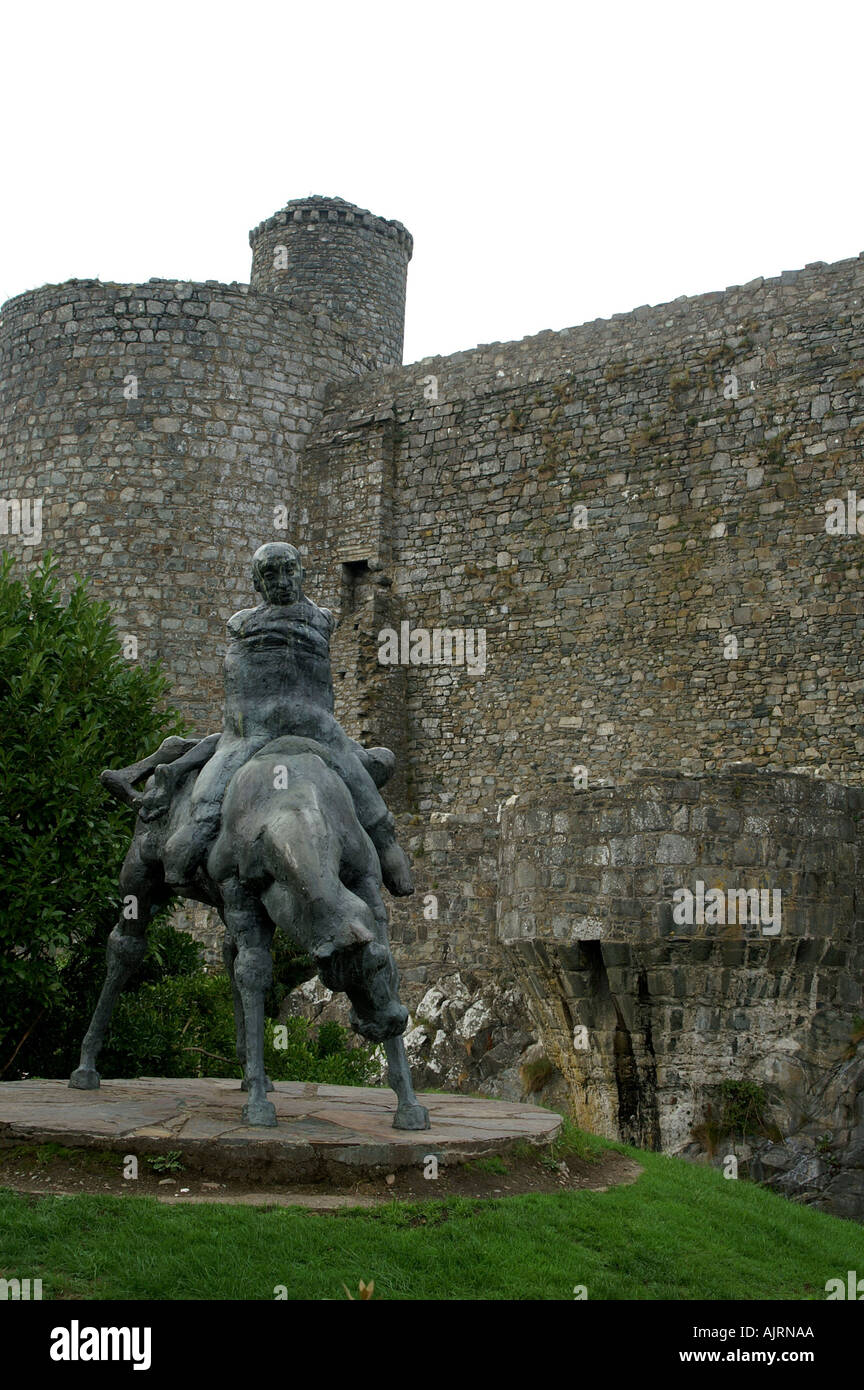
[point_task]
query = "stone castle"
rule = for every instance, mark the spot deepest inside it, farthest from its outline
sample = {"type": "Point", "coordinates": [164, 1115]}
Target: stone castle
{"type": "Point", "coordinates": [601, 591]}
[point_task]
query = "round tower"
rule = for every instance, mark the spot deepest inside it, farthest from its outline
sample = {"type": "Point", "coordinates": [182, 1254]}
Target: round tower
{"type": "Point", "coordinates": [329, 257]}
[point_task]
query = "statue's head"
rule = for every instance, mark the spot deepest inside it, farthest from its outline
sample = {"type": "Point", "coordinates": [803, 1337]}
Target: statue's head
{"type": "Point", "coordinates": [277, 573]}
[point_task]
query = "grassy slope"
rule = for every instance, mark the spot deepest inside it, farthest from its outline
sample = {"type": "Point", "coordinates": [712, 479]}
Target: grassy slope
{"type": "Point", "coordinates": [680, 1232]}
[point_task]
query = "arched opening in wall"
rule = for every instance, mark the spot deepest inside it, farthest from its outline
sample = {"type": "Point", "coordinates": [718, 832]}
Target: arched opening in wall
{"type": "Point", "coordinates": [635, 1074]}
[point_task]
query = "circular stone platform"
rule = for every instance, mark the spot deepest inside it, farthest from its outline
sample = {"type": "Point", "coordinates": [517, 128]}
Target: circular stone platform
{"type": "Point", "coordinates": [322, 1131]}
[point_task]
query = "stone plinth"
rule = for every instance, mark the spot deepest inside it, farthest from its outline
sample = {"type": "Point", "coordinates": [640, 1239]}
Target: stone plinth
{"type": "Point", "coordinates": [322, 1131]}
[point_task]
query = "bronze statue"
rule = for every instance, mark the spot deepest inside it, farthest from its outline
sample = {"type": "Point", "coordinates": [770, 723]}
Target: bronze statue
{"type": "Point", "coordinates": [276, 822]}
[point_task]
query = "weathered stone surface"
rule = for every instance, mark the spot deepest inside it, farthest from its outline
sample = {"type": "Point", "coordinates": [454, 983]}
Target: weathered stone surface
{"type": "Point", "coordinates": [322, 1130]}
{"type": "Point", "coordinates": [465, 1033]}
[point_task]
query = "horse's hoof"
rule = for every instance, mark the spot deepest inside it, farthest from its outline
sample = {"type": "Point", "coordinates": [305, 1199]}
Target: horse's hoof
{"type": "Point", "coordinates": [85, 1079]}
{"type": "Point", "coordinates": [259, 1112]}
{"type": "Point", "coordinates": [414, 1116]}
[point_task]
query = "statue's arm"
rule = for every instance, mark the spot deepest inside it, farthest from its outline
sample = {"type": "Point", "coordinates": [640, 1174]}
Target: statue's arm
{"type": "Point", "coordinates": [237, 622]}
{"type": "Point", "coordinates": [199, 754]}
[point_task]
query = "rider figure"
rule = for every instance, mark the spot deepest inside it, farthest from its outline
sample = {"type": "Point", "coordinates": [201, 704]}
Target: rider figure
{"type": "Point", "coordinates": [277, 682]}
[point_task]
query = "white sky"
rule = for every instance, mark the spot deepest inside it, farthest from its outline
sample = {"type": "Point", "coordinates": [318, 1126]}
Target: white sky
{"type": "Point", "coordinates": [555, 162]}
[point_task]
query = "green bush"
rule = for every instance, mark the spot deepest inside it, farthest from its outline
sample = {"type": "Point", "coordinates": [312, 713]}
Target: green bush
{"type": "Point", "coordinates": [184, 1026]}
{"type": "Point", "coordinates": [330, 1057]}
{"type": "Point", "coordinates": [56, 1045]}
{"type": "Point", "coordinates": [743, 1104]}
{"type": "Point", "coordinates": [70, 705]}
{"type": "Point", "coordinates": [290, 968]}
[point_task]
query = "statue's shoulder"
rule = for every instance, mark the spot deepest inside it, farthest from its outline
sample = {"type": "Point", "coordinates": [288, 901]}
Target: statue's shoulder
{"type": "Point", "coordinates": [321, 618]}
{"type": "Point", "coordinates": [239, 622]}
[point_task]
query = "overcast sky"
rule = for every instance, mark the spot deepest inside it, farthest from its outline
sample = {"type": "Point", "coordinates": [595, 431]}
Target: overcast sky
{"type": "Point", "coordinates": [555, 162]}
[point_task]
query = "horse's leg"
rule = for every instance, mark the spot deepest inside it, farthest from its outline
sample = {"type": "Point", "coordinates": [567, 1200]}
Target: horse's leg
{"type": "Point", "coordinates": [229, 956]}
{"type": "Point", "coordinates": [252, 932]}
{"type": "Point", "coordinates": [126, 947]}
{"type": "Point", "coordinates": [410, 1114]}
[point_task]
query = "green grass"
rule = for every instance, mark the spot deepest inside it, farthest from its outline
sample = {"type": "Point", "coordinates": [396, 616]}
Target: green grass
{"type": "Point", "coordinates": [577, 1143]}
{"type": "Point", "coordinates": [680, 1232]}
{"type": "Point", "coordinates": [493, 1164]}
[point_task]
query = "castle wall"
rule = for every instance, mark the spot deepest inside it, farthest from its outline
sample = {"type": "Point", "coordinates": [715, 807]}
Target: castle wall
{"type": "Point", "coordinates": [606, 646]}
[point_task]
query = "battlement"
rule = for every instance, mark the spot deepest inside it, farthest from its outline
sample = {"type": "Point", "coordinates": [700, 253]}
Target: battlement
{"type": "Point", "coordinates": [322, 209]}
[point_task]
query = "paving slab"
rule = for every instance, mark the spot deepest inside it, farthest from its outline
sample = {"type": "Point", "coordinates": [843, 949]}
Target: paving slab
{"type": "Point", "coordinates": [321, 1132]}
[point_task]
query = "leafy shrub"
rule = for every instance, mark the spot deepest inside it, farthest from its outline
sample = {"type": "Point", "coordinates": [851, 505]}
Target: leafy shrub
{"type": "Point", "coordinates": [70, 704]}
{"type": "Point", "coordinates": [184, 1026]}
{"type": "Point", "coordinates": [290, 968]}
{"type": "Point", "coordinates": [330, 1057]}
{"type": "Point", "coordinates": [743, 1105]}
{"type": "Point", "coordinates": [57, 1043]}
{"type": "Point", "coordinates": [166, 1163]}
{"type": "Point", "coordinates": [180, 1026]}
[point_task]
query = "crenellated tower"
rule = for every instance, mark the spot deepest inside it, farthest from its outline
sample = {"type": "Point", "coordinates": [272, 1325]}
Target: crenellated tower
{"type": "Point", "coordinates": [330, 258]}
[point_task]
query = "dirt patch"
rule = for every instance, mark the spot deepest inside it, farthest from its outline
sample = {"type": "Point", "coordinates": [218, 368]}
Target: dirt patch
{"type": "Point", "coordinates": [48, 1169]}
{"type": "Point", "coordinates": [510, 1177]}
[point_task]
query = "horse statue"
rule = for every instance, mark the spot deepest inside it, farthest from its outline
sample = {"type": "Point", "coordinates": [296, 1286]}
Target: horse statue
{"type": "Point", "coordinates": [275, 840]}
